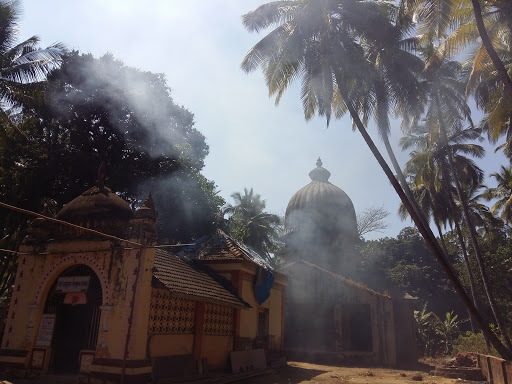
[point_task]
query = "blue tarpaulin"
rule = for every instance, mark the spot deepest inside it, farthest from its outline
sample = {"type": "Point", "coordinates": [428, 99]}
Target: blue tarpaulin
{"type": "Point", "coordinates": [263, 284]}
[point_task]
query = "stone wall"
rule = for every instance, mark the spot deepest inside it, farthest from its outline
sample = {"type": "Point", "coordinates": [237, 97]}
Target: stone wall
{"type": "Point", "coordinates": [495, 370]}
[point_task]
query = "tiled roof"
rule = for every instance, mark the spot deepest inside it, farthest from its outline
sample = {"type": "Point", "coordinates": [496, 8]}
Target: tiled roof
{"type": "Point", "coordinates": [222, 247]}
{"type": "Point", "coordinates": [186, 280]}
{"type": "Point", "coordinates": [328, 274]}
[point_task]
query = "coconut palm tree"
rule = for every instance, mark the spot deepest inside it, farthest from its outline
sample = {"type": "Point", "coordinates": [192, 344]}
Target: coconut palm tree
{"type": "Point", "coordinates": [502, 192]}
{"type": "Point", "coordinates": [428, 169]}
{"type": "Point", "coordinates": [470, 20]}
{"type": "Point", "coordinates": [454, 26]}
{"type": "Point", "coordinates": [249, 223]}
{"type": "Point", "coordinates": [484, 83]}
{"type": "Point", "coordinates": [446, 107]}
{"type": "Point", "coordinates": [483, 219]}
{"type": "Point", "coordinates": [318, 41]}
{"type": "Point", "coordinates": [432, 204]}
{"type": "Point", "coordinates": [22, 65]}
{"type": "Point", "coordinates": [395, 87]}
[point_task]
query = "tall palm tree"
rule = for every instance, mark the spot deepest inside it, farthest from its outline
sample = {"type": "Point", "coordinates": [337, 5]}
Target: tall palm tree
{"type": "Point", "coordinates": [395, 87]}
{"type": "Point", "coordinates": [502, 192]}
{"type": "Point", "coordinates": [454, 26]}
{"type": "Point", "coordinates": [318, 41]}
{"type": "Point", "coordinates": [485, 220]}
{"type": "Point", "coordinates": [484, 83]}
{"type": "Point", "coordinates": [429, 164]}
{"type": "Point", "coordinates": [445, 107]}
{"type": "Point", "coordinates": [432, 204]}
{"type": "Point", "coordinates": [438, 17]}
{"type": "Point", "coordinates": [250, 223]}
{"type": "Point", "coordinates": [22, 65]}
{"type": "Point", "coordinates": [428, 168]}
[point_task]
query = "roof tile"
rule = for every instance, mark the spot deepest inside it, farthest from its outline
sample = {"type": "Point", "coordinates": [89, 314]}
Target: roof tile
{"type": "Point", "coordinates": [184, 279]}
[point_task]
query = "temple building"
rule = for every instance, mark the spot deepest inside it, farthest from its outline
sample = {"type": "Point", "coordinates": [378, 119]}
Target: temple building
{"type": "Point", "coordinates": [98, 297]}
{"type": "Point", "coordinates": [329, 314]}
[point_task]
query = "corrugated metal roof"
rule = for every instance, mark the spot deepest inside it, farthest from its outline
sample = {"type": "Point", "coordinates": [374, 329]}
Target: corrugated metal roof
{"type": "Point", "coordinates": [222, 247]}
{"type": "Point", "coordinates": [194, 282]}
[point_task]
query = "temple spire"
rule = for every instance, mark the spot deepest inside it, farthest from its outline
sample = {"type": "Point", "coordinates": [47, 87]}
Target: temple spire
{"type": "Point", "coordinates": [320, 173]}
{"type": "Point", "coordinates": [100, 182]}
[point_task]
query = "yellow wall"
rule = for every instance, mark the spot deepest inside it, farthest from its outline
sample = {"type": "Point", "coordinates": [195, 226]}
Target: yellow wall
{"type": "Point", "coordinates": [171, 345]}
{"type": "Point", "coordinates": [115, 269]}
{"type": "Point", "coordinates": [216, 349]}
{"type": "Point", "coordinates": [249, 318]}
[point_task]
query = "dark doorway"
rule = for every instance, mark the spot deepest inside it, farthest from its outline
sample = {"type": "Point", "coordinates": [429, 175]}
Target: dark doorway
{"type": "Point", "coordinates": [357, 327]}
{"type": "Point", "coordinates": [76, 326]}
{"type": "Point", "coordinates": [262, 338]}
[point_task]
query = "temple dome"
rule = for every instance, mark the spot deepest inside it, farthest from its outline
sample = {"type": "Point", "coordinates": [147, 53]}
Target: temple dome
{"type": "Point", "coordinates": [95, 201]}
{"type": "Point", "coordinates": [98, 208]}
{"type": "Point", "coordinates": [320, 223]}
{"type": "Point", "coordinates": [322, 197]}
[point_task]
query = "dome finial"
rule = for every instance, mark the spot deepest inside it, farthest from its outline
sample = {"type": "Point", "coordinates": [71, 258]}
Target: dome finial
{"type": "Point", "coordinates": [100, 182]}
{"type": "Point", "coordinates": [147, 210]}
{"type": "Point", "coordinates": [320, 173]}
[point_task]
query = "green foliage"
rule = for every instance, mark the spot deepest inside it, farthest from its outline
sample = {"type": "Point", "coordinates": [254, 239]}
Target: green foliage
{"type": "Point", "coordinates": [436, 336]}
{"type": "Point", "coordinates": [99, 110]}
{"type": "Point", "coordinates": [496, 246]}
{"type": "Point", "coordinates": [22, 65]}
{"type": "Point", "coordinates": [405, 264]}
{"type": "Point", "coordinates": [472, 342]}
{"type": "Point", "coordinates": [249, 223]}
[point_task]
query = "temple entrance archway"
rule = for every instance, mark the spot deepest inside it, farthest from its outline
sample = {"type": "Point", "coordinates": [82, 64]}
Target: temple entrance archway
{"type": "Point", "coordinates": [74, 299]}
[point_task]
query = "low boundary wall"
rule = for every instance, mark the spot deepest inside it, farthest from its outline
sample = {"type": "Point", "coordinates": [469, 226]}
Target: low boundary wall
{"type": "Point", "coordinates": [495, 370]}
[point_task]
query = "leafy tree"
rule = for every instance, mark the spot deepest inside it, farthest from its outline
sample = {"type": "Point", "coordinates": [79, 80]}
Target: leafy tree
{"type": "Point", "coordinates": [99, 110]}
{"type": "Point", "coordinates": [249, 223]}
{"type": "Point", "coordinates": [404, 265]}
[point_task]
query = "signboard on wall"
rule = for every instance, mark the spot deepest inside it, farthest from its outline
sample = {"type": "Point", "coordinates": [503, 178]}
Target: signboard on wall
{"type": "Point", "coordinates": [72, 284]}
{"type": "Point", "coordinates": [75, 298]}
{"type": "Point", "coordinates": [46, 327]}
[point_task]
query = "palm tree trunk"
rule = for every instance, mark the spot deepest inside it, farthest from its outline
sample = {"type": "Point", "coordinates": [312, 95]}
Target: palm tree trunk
{"type": "Point", "coordinates": [472, 285]}
{"type": "Point", "coordinates": [401, 177]}
{"type": "Point", "coordinates": [486, 41]}
{"type": "Point", "coordinates": [473, 236]}
{"type": "Point", "coordinates": [441, 237]}
{"type": "Point", "coordinates": [462, 243]}
{"type": "Point", "coordinates": [424, 230]}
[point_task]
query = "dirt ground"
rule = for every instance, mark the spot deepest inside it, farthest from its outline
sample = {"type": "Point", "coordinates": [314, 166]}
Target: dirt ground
{"type": "Point", "coordinates": [298, 372]}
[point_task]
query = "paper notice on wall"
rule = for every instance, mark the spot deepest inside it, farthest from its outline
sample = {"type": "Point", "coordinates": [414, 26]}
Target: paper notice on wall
{"type": "Point", "coordinates": [46, 327]}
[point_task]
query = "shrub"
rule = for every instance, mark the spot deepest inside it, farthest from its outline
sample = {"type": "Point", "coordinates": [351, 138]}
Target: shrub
{"type": "Point", "coordinates": [472, 342]}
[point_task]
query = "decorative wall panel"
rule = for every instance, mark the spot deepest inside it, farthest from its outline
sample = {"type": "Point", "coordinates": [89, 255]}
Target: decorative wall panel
{"type": "Point", "coordinates": [218, 320]}
{"type": "Point", "coordinates": [170, 315]}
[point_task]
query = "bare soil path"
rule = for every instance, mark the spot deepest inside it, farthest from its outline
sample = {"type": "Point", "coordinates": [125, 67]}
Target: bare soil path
{"type": "Point", "coordinates": [298, 373]}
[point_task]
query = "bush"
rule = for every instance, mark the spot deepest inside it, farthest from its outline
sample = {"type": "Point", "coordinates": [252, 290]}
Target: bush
{"type": "Point", "coordinates": [472, 342]}
{"type": "Point", "coordinates": [435, 336]}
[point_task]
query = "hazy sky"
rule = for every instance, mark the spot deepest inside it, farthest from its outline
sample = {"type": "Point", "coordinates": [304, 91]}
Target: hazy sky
{"type": "Point", "coordinates": [199, 45]}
